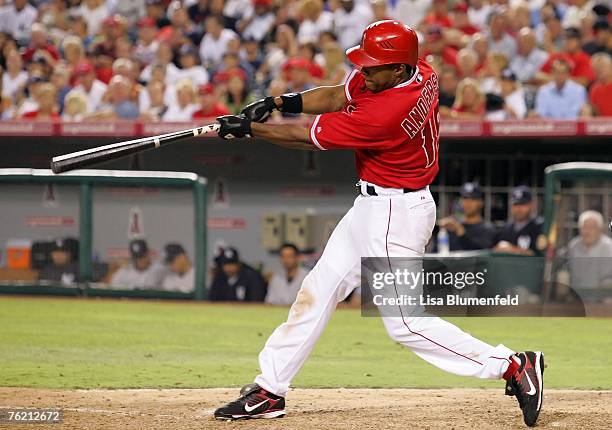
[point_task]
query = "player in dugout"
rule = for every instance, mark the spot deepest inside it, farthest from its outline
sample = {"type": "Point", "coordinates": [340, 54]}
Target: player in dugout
{"type": "Point", "coordinates": [387, 113]}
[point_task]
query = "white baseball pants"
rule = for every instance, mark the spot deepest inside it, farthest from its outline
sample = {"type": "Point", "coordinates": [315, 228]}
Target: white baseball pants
{"type": "Point", "coordinates": [396, 225]}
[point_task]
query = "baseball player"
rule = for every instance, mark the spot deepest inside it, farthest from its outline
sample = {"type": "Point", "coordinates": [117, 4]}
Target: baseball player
{"type": "Point", "coordinates": [387, 113]}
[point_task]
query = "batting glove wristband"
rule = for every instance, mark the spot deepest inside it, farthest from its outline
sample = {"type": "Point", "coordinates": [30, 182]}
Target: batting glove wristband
{"type": "Point", "coordinates": [261, 110]}
{"type": "Point", "coordinates": [234, 126]}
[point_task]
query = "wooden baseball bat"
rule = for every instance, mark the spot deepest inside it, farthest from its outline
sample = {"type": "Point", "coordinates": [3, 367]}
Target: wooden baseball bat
{"type": "Point", "coordinates": [75, 160]}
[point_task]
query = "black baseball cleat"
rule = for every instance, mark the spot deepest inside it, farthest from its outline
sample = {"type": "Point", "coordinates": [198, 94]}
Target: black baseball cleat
{"type": "Point", "coordinates": [254, 402]}
{"type": "Point", "coordinates": [525, 380]}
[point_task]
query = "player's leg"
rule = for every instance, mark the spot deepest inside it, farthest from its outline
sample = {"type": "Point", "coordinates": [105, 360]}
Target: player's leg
{"type": "Point", "coordinates": [336, 273]}
{"type": "Point", "coordinates": [409, 225]}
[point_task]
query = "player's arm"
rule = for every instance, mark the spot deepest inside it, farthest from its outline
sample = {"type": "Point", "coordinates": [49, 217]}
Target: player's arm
{"type": "Point", "coordinates": [290, 136]}
{"type": "Point", "coordinates": [315, 101]}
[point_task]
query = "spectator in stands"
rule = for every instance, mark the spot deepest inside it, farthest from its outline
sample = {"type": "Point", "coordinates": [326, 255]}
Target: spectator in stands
{"type": "Point", "coordinates": [284, 47]}
{"type": "Point", "coordinates": [469, 102]}
{"type": "Point", "coordinates": [73, 51]}
{"type": "Point", "coordinates": [479, 12]}
{"type": "Point", "coordinates": [601, 90]}
{"type": "Point", "coordinates": [252, 54]}
{"type": "Point", "coordinates": [146, 45]}
{"type": "Point", "coordinates": [316, 20]}
{"type": "Point", "coordinates": [142, 272]}
{"type": "Point", "coordinates": [94, 90]}
{"type": "Point", "coordinates": [156, 106]}
{"type": "Point", "coordinates": [198, 11]}
{"type": "Point", "coordinates": [184, 106]}
{"type": "Point", "coordinates": [529, 59]}
{"type": "Point", "coordinates": [549, 32]}
{"type": "Point", "coordinates": [14, 78]}
{"type": "Point", "coordinates": [602, 38]}
{"type": "Point", "coordinates": [299, 76]}
{"type": "Point", "coordinates": [438, 15]}
{"type": "Point", "coordinates": [471, 232]}
{"type": "Point", "coordinates": [238, 94]}
{"type": "Point", "coordinates": [582, 71]}
{"type": "Point", "coordinates": [349, 21]}
{"type": "Point", "coordinates": [514, 96]}
{"type": "Point", "coordinates": [480, 45]}
{"type": "Point", "coordinates": [576, 12]}
{"type": "Point", "coordinates": [499, 40]}
{"type": "Point", "coordinates": [64, 267]}
{"type": "Point", "coordinates": [461, 19]}
{"type": "Point", "coordinates": [238, 281]}
{"type": "Point", "coordinates": [60, 78]}
{"type": "Point", "coordinates": [519, 17]}
{"type": "Point", "coordinates": [523, 234]}
{"type": "Point", "coordinates": [410, 12]}
{"type": "Point", "coordinates": [215, 41]}
{"type": "Point", "coordinates": [155, 10]}
{"type": "Point", "coordinates": [75, 106]}
{"type": "Point", "coordinates": [94, 12]}
{"type": "Point", "coordinates": [448, 88]}
{"type": "Point", "coordinates": [491, 73]}
{"type": "Point", "coordinates": [27, 99]}
{"type": "Point", "coordinates": [284, 286]}
{"type": "Point", "coordinates": [210, 104]}
{"type": "Point", "coordinates": [590, 254]}
{"type": "Point", "coordinates": [46, 99]}
{"type": "Point", "coordinates": [561, 98]}
{"type": "Point", "coordinates": [121, 105]}
{"type": "Point", "coordinates": [190, 67]}
{"type": "Point", "coordinates": [163, 57]}
{"type": "Point", "coordinates": [181, 273]}
{"type": "Point", "coordinates": [133, 10]}
{"type": "Point", "coordinates": [336, 70]}
{"type": "Point", "coordinates": [467, 61]}
{"type": "Point", "coordinates": [435, 45]}
{"type": "Point", "coordinates": [40, 46]}
{"type": "Point", "coordinates": [257, 24]}
{"type": "Point", "coordinates": [17, 19]}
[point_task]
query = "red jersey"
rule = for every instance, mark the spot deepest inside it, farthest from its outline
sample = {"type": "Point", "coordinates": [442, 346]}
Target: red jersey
{"type": "Point", "coordinates": [580, 61]}
{"type": "Point", "coordinates": [600, 96]}
{"type": "Point", "coordinates": [394, 133]}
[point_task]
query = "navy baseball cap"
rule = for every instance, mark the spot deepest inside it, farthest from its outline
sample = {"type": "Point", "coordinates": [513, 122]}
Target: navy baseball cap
{"type": "Point", "coordinates": [61, 245]}
{"type": "Point", "coordinates": [173, 250]}
{"type": "Point", "coordinates": [471, 190]}
{"type": "Point", "coordinates": [229, 255]}
{"type": "Point", "coordinates": [521, 195]}
{"type": "Point", "coordinates": [138, 248]}
{"type": "Point", "coordinates": [508, 75]}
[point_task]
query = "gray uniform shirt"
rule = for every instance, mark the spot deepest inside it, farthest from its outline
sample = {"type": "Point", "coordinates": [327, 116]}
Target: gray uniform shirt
{"type": "Point", "coordinates": [182, 283]}
{"type": "Point", "coordinates": [131, 278]}
{"type": "Point", "coordinates": [282, 292]}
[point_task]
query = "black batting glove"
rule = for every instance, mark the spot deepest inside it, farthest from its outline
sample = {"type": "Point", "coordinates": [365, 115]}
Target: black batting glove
{"type": "Point", "coordinates": [234, 126]}
{"type": "Point", "coordinates": [260, 110]}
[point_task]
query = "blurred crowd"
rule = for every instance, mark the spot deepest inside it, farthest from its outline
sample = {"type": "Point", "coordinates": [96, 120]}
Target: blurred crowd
{"type": "Point", "coordinates": [173, 60]}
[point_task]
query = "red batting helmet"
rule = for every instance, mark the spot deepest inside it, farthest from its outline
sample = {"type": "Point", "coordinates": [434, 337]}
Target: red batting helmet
{"type": "Point", "coordinates": [386, 42]}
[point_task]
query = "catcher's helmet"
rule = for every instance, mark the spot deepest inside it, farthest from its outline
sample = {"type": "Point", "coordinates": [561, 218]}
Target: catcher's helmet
{"type": "Point", "coordinates": [386, 42]}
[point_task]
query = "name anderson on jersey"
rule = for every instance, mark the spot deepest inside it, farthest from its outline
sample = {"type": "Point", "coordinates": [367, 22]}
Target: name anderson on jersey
{"type": "Point", "coordinates": [419, 113]}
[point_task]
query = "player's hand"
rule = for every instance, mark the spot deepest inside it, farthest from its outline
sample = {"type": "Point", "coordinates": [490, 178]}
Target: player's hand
{"type": "Point", "coordinates": [260, 110]}
{"type": "Point", "coordinates": [234, 126]}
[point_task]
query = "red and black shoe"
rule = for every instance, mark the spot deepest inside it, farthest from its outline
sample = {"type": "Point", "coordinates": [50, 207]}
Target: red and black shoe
{"type": "Point", "coordinates": [525, 380]}
{"type": "Point", "coordinates": [254, 402]}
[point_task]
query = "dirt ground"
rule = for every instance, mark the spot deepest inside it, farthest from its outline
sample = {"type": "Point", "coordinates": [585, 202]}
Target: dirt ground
{"type": "Point", "coordinates": [314, 409]}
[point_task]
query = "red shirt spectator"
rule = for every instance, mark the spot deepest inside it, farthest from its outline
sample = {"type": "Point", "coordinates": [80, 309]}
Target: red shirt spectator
{"type": "Point", "coordinates": [601, 90]}
{"type": "Point", "coordinates": [210, 106]}
{"type": "Point", "coordinates": [462, 21]}
{"type": "Point", "coordinates": [574, 55]}
{"type": "Point", "coordinates": [39, 42]}
{"type": "Point", "coordinates": [436, 45]}
{"type": "Point", "coordinates": [439, 15]}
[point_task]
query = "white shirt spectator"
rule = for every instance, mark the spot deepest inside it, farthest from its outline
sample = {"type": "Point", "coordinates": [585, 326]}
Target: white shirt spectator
{"type": "Point", "coordinates": [258, 27]}
{"type": "Point", "coordinates": [93, 17]}
{"type": "Point", "coordinates": [349, 26]}
{"type": "Point", "coordinates": [172, 73]}
{"type": "Point", "coordinates": [182, 284]}
{"type": "Point", "coordinates": [212, 50]}
{"type": "Point", "coordinates": [131, 278]}
{"type": "Point", "coordinates": [506, 45]}
{"type": "Point", "coordinates": [525, 68]}
{"type": "Point", "coordinates": [516, 101]}
{"type": "Point", "coordinates": [18, 23]}
{"type": "Point", "coordinates": [10, 85]}
{"type": "Point", "coordinates": [411, 12]}
{"type": "Point", "coordinates": [94, 96]}
{"type": "Point", "coordinates": [310, 30]}
{"type": "Point", "coordinates": [589, 266]}
{"type": "Point", "coordinates": [146, 53]}
{"type": "Point", "coordinates": [282, 291]}
{"type": "Point", "coordinates": [479, 17]}
{"type": "Point", "coordinates": [574, 15]}
{"type": "Point", "coordinates": [177, 113]}
{"type": "Point", "coordinates": [238, 9]}
{"type": "Point", "coordinates": [196, 74]}
{"type": "Point", "coordinates": [132, 10]}
{"type": "Point", "coordinates": [144, 100]}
